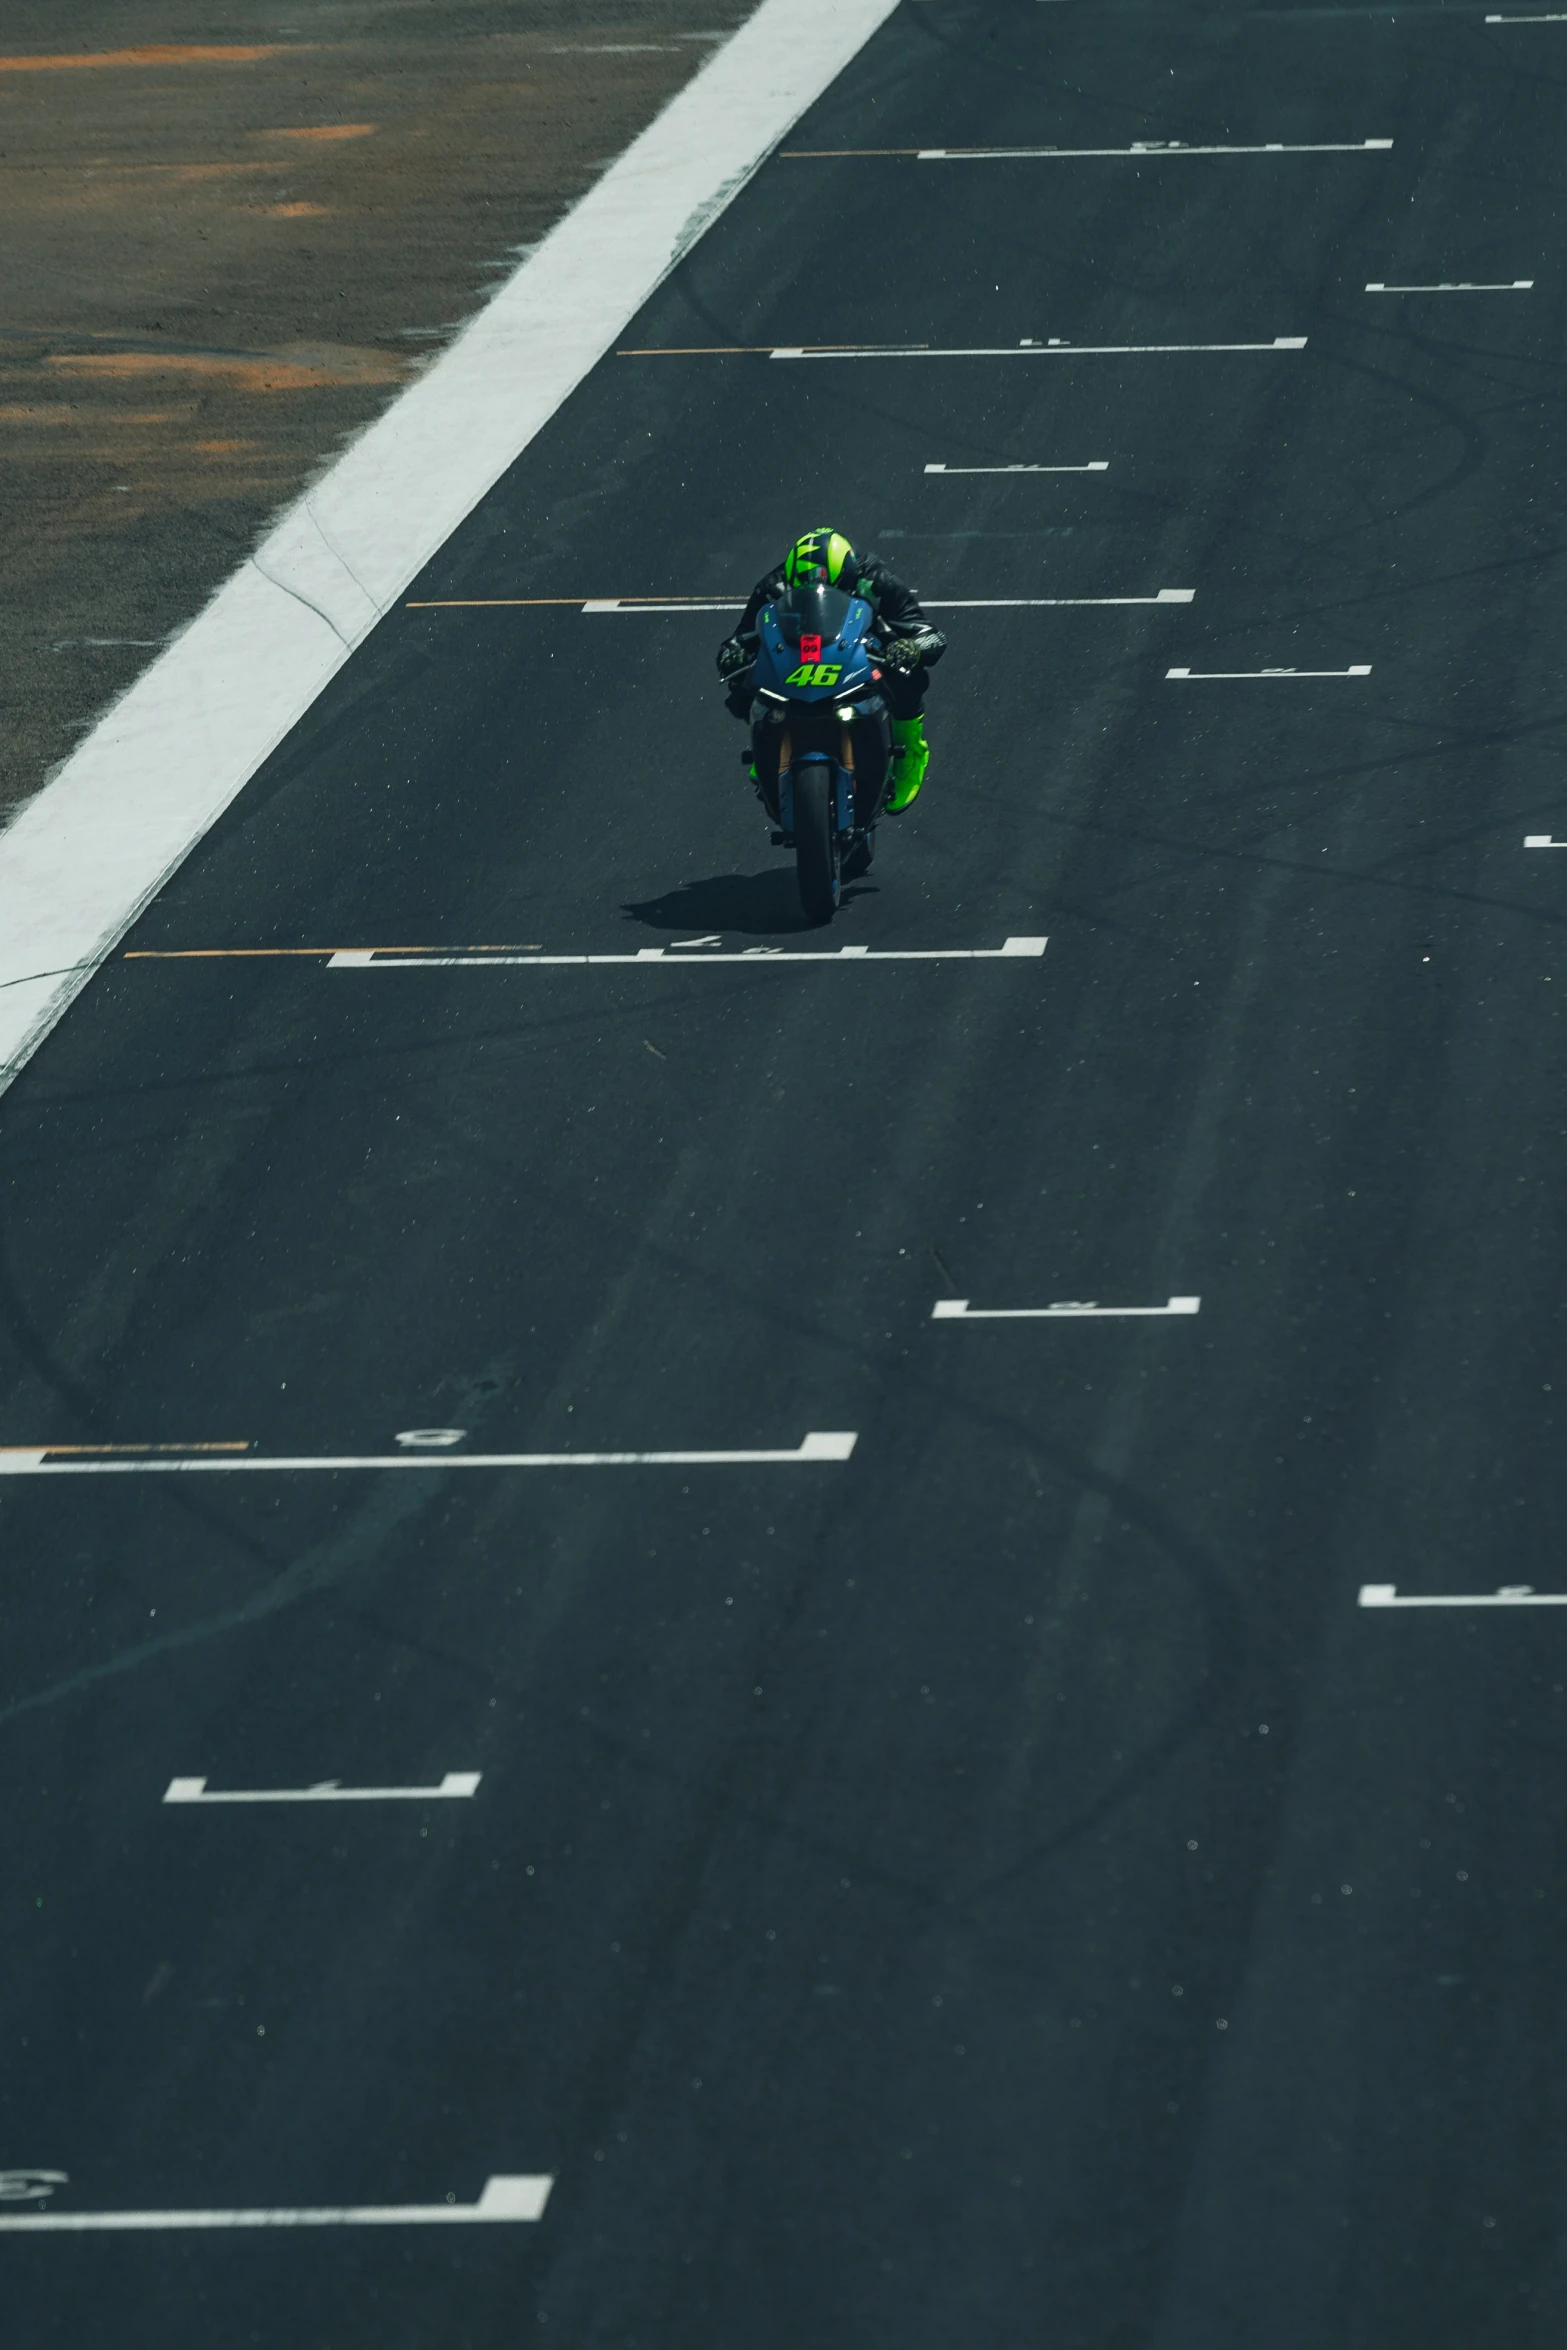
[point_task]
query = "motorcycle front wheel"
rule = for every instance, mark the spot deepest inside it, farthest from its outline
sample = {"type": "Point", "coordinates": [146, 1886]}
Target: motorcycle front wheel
{"type": "Point", "coordinates": [816, 841]}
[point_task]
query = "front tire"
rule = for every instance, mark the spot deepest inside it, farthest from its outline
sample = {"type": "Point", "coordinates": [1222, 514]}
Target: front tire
{"type": "Point", "coordinates": [816, 841]}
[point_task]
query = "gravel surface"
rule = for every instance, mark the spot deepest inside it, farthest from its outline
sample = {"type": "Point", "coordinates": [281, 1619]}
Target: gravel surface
{"type": "Point", "coordinates": [231, 234]}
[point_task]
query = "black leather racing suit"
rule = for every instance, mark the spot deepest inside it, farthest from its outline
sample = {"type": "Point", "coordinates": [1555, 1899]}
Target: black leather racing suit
{"type": "Point", "coordinates": [896, 614]}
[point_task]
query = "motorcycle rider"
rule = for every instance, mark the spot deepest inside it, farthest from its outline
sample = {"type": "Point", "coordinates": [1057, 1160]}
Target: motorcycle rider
{"type": "Point", "coordinates": [913, 647]}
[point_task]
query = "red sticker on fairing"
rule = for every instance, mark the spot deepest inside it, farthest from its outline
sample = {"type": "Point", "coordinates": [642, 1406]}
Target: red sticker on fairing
{"type": "Point", "coordinates": [810, 648]}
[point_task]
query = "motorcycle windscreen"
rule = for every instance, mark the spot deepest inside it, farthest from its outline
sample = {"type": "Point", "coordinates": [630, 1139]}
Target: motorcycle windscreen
{"type": "Point", "coordinates": [813, 612]}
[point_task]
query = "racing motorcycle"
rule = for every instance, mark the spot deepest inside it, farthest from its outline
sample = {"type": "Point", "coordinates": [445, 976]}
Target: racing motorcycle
{"type": "Point", "coordinates": [821, 736]}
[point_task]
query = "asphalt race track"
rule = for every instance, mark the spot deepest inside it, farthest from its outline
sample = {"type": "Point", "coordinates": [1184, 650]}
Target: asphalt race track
{"type": "Point", "coordinates": [999, 1885]}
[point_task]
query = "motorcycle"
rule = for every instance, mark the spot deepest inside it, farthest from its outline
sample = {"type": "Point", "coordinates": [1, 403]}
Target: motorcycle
{"type": "Point", "coordinates": [821, 737]}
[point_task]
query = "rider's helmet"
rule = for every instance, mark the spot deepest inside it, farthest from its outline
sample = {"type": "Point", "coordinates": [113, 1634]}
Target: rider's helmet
{"type": "Point", "coordinates": [821, 557]}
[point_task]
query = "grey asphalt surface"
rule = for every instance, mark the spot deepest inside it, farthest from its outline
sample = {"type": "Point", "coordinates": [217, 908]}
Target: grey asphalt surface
{"type": "Point", "coordinates": [1001, 1888]}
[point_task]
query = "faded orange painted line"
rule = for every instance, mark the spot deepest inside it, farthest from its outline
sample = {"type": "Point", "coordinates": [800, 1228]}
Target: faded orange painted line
{"type": "Point", "coordinates": [260, 374]}
{"type": "Point", "coordinates": [323, 131]}
{"type": "Point", "coordinates": [156, 53]}
{"type": "Point", "coordinates": [744, 350]}
{"type": "Point", "coordinates": [240, 954]}
{"type": "Point", "coordinates": [175, 171]}
{"type": "Point", "coordinates": [211, 954]}
{"type": "Point", "coordinates": [513, 603]}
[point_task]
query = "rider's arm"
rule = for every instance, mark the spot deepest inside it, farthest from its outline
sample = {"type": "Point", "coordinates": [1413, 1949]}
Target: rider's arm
{"type": "Point", "coordinates": [898, 612]}
{"type": "Point", "coordinates": [766, 591]}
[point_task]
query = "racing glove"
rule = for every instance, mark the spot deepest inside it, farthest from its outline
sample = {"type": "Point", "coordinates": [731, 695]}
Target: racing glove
{"type": "Point", "coordinates": [732, 658]}
{"type": "Point", "coordinates": [904, 654]}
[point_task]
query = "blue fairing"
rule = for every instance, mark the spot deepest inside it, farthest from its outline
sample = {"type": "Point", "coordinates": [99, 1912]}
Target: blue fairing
{"type": "Point", "coordinates": [778, 668]}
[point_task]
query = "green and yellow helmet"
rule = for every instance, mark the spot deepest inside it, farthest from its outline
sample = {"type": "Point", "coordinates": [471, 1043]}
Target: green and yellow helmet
{"type": "Point", "coordinates": [820, 555]}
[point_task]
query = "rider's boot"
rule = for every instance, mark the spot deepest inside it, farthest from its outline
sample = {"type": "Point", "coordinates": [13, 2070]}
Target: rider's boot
{"type": "Point", "coordinates": [910, 758]}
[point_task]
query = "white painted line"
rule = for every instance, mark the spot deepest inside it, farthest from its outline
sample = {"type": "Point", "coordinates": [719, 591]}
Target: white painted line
{"type": "Point", "coordinates": [1155, 148]}
{"type": "Point", "coordinates": [1149, 150]}
{"type": "Point", "coordinates": [672, 958]}
{"type": "Point", "coordinates": [95, 846]}
{"type": "Point", "coordinates": [931, 603]}
{"type": "Point", "coordinates": [39, 1461]}
{"type": "Point", "coordinates": [958, 1309]}
{"type": "Point", "coordinates": [1516, 285]}
{"type": "Point", "coordinates": [1542, 840]}
{"type": "Point", "coordinates": [1230, 676]}
{"type": "Point", "coordinates": [1510, 1595]}
{"type": "Point", "coordinates": [657, 605]}
{"type": "Point", "coordinates": [1053, 350]}
{"type": "Point", "coordinates": [454, 1784]}
{"type": "Point", "coordinates": [517, 2197]}
{"type": "Point", "coordinates": [1054, 603]}
{"type": "Point", "coordinates": [1557, 18]}
{"type": "Point", "coordinates": [1094, 465]}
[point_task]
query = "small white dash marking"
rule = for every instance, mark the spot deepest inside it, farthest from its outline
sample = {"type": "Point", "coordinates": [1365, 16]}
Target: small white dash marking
{"type": "Point", "coordinates": [1510, 1595]}
{"type": "Point", "coordinates": [1232, 676]}
{"type": "Point", "coordinates": [1515, 285]}
{"type": "Point", "coordinates": [1555, 18]}
{"type": "Point", "coordinates": [1542, 840]}
{"type": "Point", "coordinates": [1094, 465]}
{"type": "Point", "coordinates": [958, 1309]}
{"type": "Point", "coordinates": [455, 1784]}
{"type": "Point", "coordinates": [518, 2197]}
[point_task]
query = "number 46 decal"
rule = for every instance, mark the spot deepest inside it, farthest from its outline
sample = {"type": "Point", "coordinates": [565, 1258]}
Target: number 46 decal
{"type": "Point", "coordinates": [815, 673]}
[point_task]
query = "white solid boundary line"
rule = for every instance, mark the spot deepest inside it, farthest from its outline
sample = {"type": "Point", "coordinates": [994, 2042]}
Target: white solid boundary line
{"type": "Point", "coordinates": [1510, 1595]}
{"type": "Point", "coordinates": [454, 1784]}
{"type": "Point", "coordinates": [671, 959]}
{"type": "Point", "coordinates": [1233, 676]}
{"type": "Point", "coordinates": [1094, 465]}
{"type": "Point", "coordinates": [37, 1460]}
{"type": "Point", "coordinates": [1155, 150]}
{"type": "Point", "coordinates": [84, 857]}
{"type": "Point", "coordinates": [1516, 285]}
{"type": "Point", "coordinates": [1542, 840]}
{"type": "Point", "coordinates": [1555, 18]}
{"type": "Point", "coordinates": [958, 1309]}
{"type": "Point", "coordinates": [507, 2197]}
